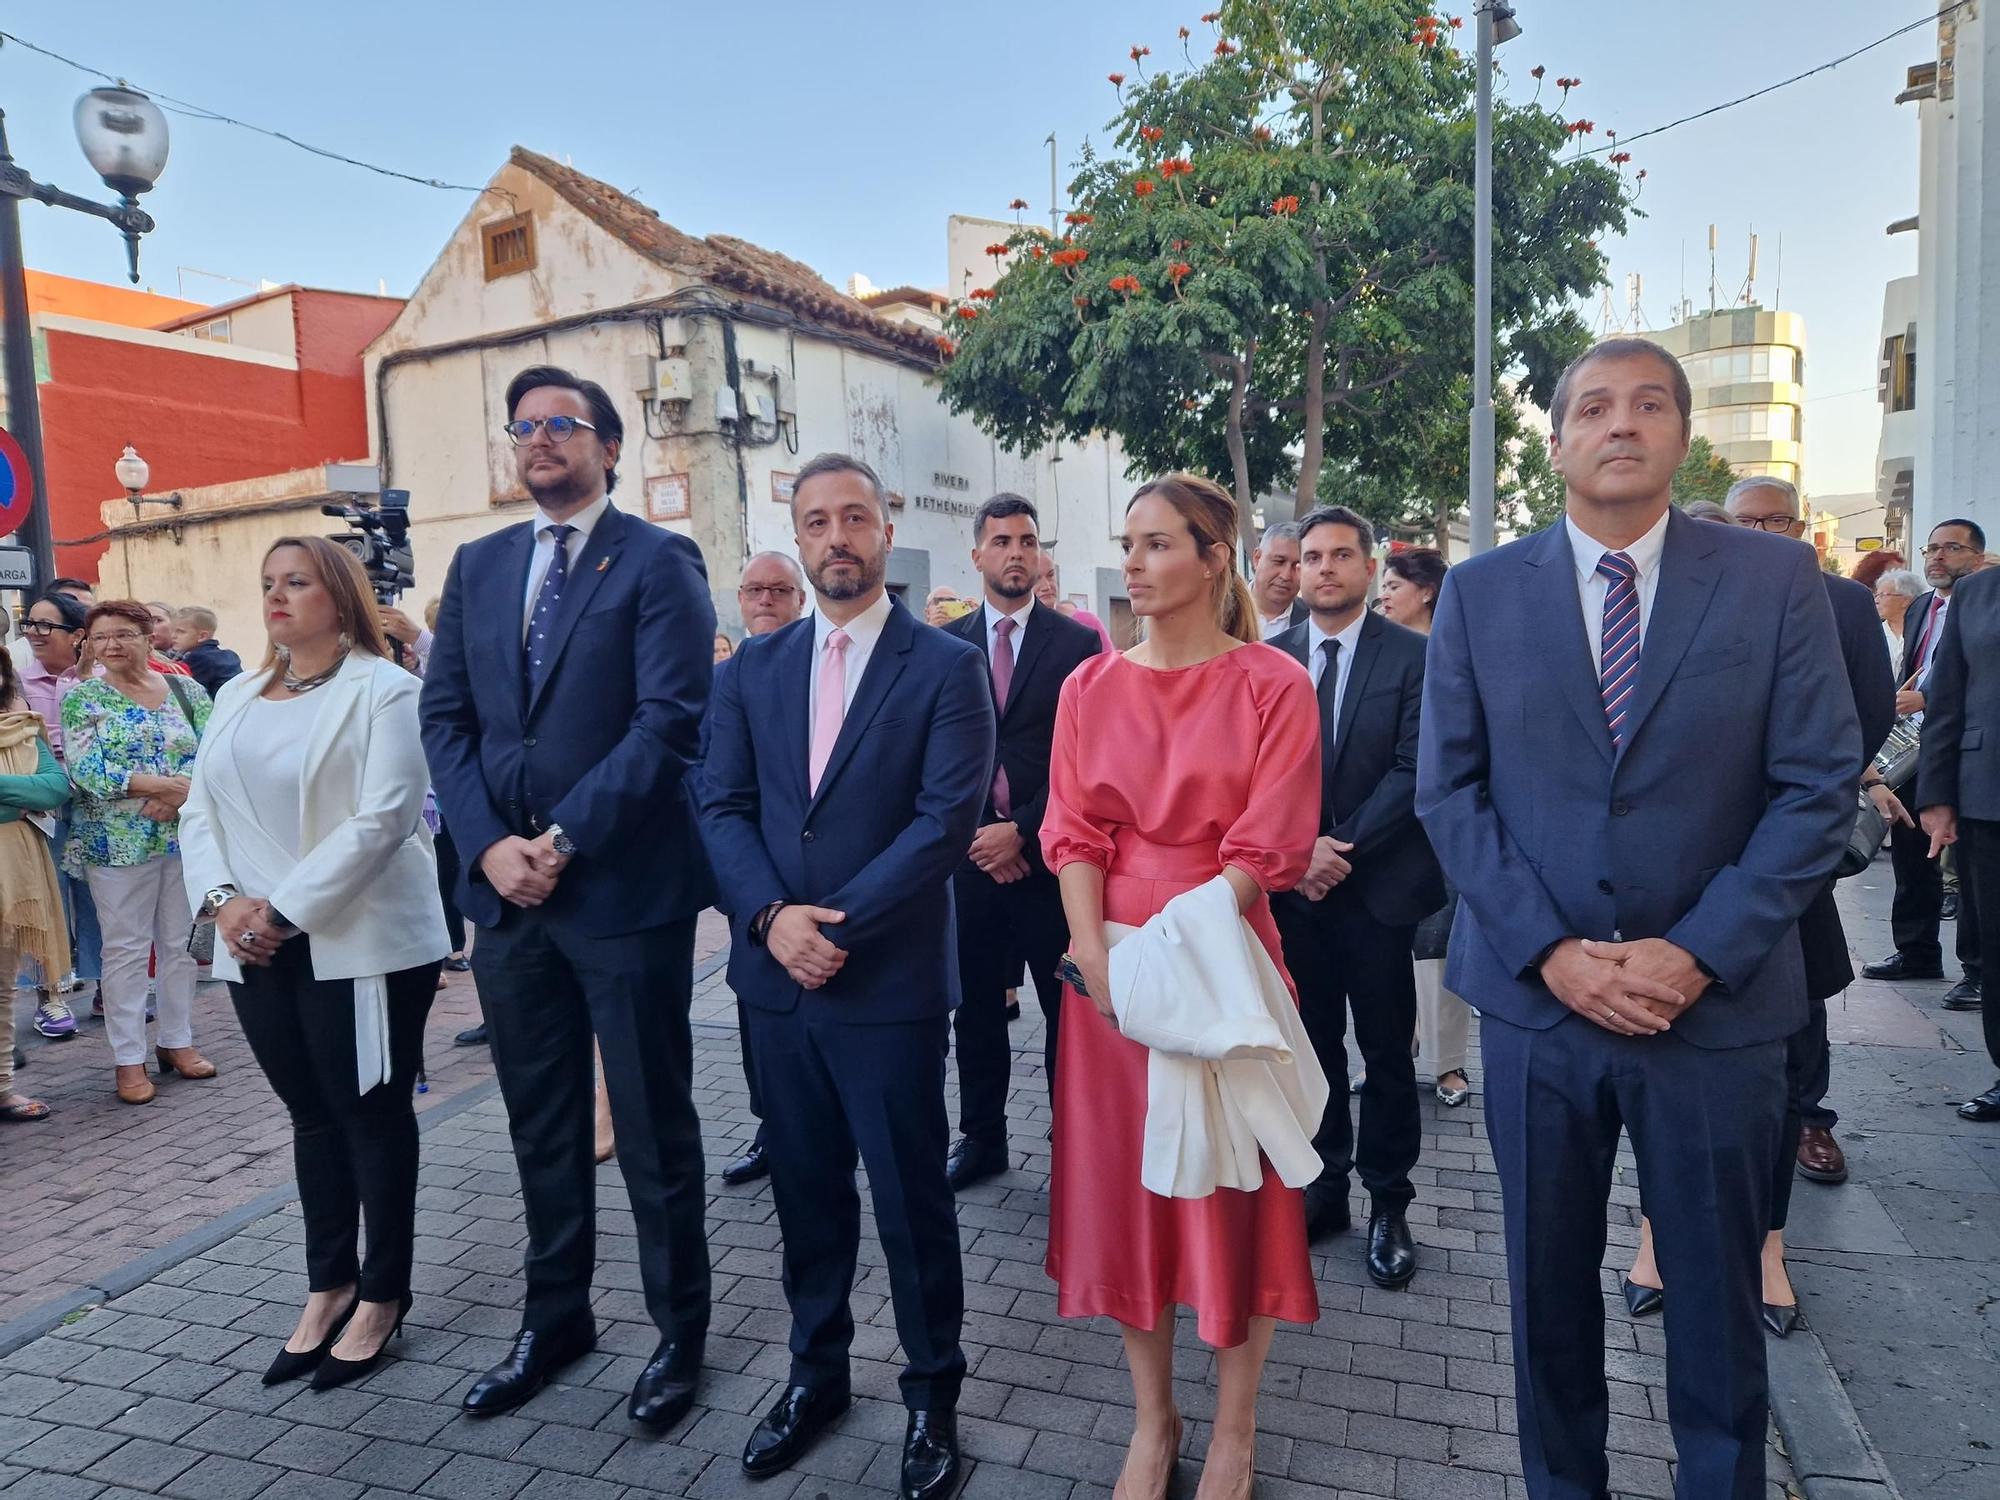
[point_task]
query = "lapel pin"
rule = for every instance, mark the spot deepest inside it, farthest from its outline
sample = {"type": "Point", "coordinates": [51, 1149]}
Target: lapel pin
{"type": "Point", "coordinates": [603, 563]}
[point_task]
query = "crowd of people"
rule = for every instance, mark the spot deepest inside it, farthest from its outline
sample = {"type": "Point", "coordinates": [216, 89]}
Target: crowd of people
{"type": "Point", "coordinates": [1336, 788]}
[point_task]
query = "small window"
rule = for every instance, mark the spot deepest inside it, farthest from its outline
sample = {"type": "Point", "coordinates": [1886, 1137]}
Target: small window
{"type": "Point", "coordinates": [215, 332]}
{"type": "Point", "coordinates": [508, 245]}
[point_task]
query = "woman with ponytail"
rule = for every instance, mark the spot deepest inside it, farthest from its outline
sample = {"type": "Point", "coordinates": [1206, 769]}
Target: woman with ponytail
{"type": "Point", "coordinates": [1192, 756]}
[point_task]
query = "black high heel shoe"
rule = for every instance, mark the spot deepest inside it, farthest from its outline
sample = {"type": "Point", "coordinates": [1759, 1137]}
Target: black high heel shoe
{"type": "Point", "coordinates": [290, 1366]}
{"type": "Point", "coordinates": [1643, 1301]}
{"type": "Point", "coordinates": [334, 1371]}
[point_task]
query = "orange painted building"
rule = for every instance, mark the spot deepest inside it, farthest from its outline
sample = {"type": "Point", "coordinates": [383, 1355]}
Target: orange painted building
{"type": "Point", "coordinates": [262, 385]}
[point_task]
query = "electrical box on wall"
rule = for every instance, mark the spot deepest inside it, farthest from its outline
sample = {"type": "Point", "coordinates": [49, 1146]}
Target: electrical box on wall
{"type": "Point", "coordinates": [788, 397]}
{"type": "Point", "coordinates": [661, 379]}
{"type": "Point", "coordinates": [725, 405]}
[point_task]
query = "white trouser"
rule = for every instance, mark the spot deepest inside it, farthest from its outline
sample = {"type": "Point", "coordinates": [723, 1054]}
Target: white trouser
{"type": "Point", "coordinates": [144, 909]}
{"type": "Point", "coordinates": [1442, 1022]}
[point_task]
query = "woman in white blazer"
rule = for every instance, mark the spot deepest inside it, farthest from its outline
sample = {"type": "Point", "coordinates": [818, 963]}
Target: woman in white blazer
{"type": "Point", "coordinates": [303, 840]}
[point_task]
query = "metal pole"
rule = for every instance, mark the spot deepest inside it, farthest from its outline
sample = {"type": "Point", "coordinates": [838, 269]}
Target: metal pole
{"type": "Point", "coordinates": [24, 409]}
{"type": "Point", "coordinates": [1479, 469]}
{"type": "Point", "coordinates": [1055, 211]}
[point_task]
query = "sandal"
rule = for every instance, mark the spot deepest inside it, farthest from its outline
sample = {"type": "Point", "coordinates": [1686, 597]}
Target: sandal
{"type": "Point", "coordinates": [19, 1111]}
{"type": "Point", "coordinates": [1452, 1097]}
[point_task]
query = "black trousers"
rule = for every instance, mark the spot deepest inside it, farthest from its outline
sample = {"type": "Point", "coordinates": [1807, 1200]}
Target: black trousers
{"type": "Point", "coordinates": [1914, 913]}
{"type": "Point", "coordinates": [836, 1091]}
{"type": "Point", "coordinates": [447, 863]}
{"type": "Point", "coordinates": [999, 926]}
{"type": "Point", "coordinates": [1979, 884]}
{"type": "Point", "coordinates": [1341, 957]}
{"type": "Point", "coordinates": [355, 1153]}
{"type": "Point", "coordinates": [547, 989]}
{"type": "Point", "coordinates": [749, 1069]}
{"type": "Point", "coordinates": [1703, 1126]}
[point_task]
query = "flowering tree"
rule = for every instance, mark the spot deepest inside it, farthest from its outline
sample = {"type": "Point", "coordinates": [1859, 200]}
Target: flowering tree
{"type": "Point", "coordinates": [1272, 276]}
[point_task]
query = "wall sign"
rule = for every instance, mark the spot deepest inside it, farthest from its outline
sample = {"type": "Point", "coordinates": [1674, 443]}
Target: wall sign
{"type": "Point", "coordinates": [781, 486]}
{"type": "Point", "coordinates": [668, 498]}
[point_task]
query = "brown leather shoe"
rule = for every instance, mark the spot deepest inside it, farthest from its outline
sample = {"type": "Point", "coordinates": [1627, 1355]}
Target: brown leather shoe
{"type": "Point", "coordinates": [1820, 1156]}
{"type": "Point", "coordinates": [134, 1087]}
{"type": "Point", "coordinates": [185, 1061]}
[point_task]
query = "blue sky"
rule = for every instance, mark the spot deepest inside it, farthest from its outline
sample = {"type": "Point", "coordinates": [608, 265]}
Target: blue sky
{"type": "Point", "coordinates": [843, 134]}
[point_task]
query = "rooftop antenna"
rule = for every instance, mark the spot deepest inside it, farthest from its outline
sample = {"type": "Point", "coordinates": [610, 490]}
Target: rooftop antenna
{"type": "Point", "coordinates": [1055, 213]}
{"type": "Point", "coordinates": [1749, 297]}
{"type": "Point", "coordinates": [1778, 289]}
{"type": "Point", "coordinates": [1635, 317]}
{"type": "Point", "coordinates": [1680, 304]}
{"type": "Point", "coordinates": [1711, 270]}
{"type": "Point", "coordinates": [1607, 322]}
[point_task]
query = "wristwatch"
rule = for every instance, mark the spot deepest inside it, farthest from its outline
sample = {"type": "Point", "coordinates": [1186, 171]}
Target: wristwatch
{"type": "Point", "coordinates": [214, 900]}
{"type": "Point", "coordinates": [561, 842]}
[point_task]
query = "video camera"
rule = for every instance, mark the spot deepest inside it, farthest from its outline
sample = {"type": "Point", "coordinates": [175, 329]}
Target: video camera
{"type": "Point", "coordinates": [379, 536]}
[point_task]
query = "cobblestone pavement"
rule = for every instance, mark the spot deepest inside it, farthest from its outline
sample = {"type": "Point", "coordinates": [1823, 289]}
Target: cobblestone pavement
{"type": "Point", "coordinates": [1401, 1394]}
{"type": "Point", "coordinates": [1899, 1270]}
{"type": "Point", "coordinates": [100, 1183]}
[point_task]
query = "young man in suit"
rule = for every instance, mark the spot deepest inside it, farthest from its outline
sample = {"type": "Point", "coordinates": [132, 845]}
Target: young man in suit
{"type": "Point", "coordinates": [1008, 904]}
{"type": "Point", "coordinates": [1960, 775]}
{"type": "Point", "coordinates": [562, 708]}
{"type": "Point", "coordinates": [1347, 929]}
{"type": "Point", "coordinates": [770, 595]}
{"type": "Point", "coordinates": [1955, 551]}
{"type": "Point", "coordinates": [849, 756]}
{"type": "Point", "coordinates": [1631, 948]}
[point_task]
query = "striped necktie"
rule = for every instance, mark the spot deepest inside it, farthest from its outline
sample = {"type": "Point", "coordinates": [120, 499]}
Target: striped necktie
{"type": "Point", "coordinates": [1618, 673]}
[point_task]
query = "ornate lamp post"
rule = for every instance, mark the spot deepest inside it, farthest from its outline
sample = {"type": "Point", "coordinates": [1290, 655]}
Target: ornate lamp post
{"type": "Point", "coordinates": [124, 136]}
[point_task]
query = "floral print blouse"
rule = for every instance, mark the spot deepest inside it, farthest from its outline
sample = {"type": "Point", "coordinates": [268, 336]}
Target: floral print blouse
{"type": "Point", "coordinates": [108, 739]}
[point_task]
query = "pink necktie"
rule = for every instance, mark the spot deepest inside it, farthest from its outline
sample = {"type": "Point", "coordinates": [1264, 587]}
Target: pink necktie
{"type": "Point", "coordinates": [832, 706]}
{"type": "Point", "coordinates": [1003, 682]}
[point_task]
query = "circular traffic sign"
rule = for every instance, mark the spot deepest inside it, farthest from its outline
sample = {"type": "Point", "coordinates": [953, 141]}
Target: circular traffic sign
{"type": "Point", "coordinates": [17, 484]}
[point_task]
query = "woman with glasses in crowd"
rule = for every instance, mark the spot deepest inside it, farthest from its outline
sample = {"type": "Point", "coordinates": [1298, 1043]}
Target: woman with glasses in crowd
{"type": "Point", "coordinates": [31, 910]}
{"type": "Point", "coordinates": [53, 631]}
{"type": "Point", "coordinates": [131, 736]}
{"type": "Point", "coordinates": [306, 846]}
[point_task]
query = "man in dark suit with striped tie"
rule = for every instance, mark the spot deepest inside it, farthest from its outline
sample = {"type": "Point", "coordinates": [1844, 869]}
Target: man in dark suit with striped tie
{"type": "Point", "coordinates": [1637, 768]}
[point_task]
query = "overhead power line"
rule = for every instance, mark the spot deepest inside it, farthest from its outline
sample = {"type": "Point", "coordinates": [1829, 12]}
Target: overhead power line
{"type": "Point", "coordinates": [1771, 88]}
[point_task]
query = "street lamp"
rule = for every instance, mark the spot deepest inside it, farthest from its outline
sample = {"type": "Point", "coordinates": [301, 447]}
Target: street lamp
{"type": "Point", "coordinates": [133, 473]}
{"type": "Point", "coordinates": [124, 137]}
{"type": "Point", "coordinates": [1496, 24]}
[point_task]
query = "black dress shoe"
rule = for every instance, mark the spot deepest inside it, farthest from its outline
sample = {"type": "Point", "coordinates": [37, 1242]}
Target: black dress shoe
{"type": "Point", "coordinates": [970, 1163]}
{"type": "Point", "coordinates": [1326, 1216]}
{"type": "Point", "coordinates": [528, 1366]}
{"type": "Point", "coordinates": [788, 1428]}
{"type": "Point", "coordinates": [472, 1036]}
{"type": "Point", "coordinates": [460, 965]}
{"type": "Point", "coordinates": [1948, 908]}
{"type": "Point", "coordinates": [1643, 1301]}
{"type": "Point", "coordinates": [665, 1388]}
{"type": "Point", "coordinates": [1967, 994]}
{"type": "Point", "coordinates": [333, 1370]}
{"type": "Point", "coordinates": [290, 1366]}
{"type": "Point", "coordinates": [1982, 1107]}
{"type": "Point", "coordinates": [1896, 966]}
{"type": "Point", "coordinates": [1392, 1254]}
{"type": "Point", "coordinates": [1781, 1320]}
{"type": "Point", "coordinates": [748, 1167]}
{"type": "Point", "coordinates": [930, 1455]}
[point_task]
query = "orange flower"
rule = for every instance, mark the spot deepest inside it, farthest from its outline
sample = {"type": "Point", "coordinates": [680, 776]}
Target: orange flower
{"type": "Point", "coordinates": [1178, 167]}
{"type": "Point", "coordinates": [1456, 23]}
{"type": "Point", "coordinates": [996, 251]}
{"type": "Point", "coordinates": [945, 346]}
{"type": "Point", "coordinates": [1143, 188]}
{"type": "Point", "coordinates": [1117, 80]}
{"type": "Point", "coordinates": [1139, 52]}
{"type": "Point", "coordinates": [983, 294]}
{"type": "Point", "coordinates": [968, 313]}
{"type": "Point", "coordinates": [1184, 33]}
{"type": "Point", "coordinates": [1537, 71]}
{"type": "Point", "coordinates": [1019, 203]}
{"type": "Point", "coordinates": [1224, 47]}
{"type": "Point", "coordinates": [1079, 217]}
{"type": "Point", "coordinates": [1081, 301]}
{"type": "Point", "coordinates": [1068, 258]}
{"type": "Point", "coordinates": [1262, 132]}
{"type": "Point", "coordinates": [1289, 204]}
{"type": "Point", "coordinates": [1038, 252]}
{"type": "Point", "coordinates": [1178, 271]}
{"type": "Point", "coordinates": [1212, 17]}
{"type": "Point", "coordinates": [1150, 132]}
{"type": "Point", "coordinates": [1129, 285]}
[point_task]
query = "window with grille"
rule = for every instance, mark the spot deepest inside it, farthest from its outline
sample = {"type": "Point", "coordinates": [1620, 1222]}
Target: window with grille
{"type": "Point", "coordinates": [509, 245]}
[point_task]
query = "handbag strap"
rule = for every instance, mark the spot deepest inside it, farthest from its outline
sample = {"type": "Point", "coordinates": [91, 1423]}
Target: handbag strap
{"type": "Point", "coordinates": [179, 689]}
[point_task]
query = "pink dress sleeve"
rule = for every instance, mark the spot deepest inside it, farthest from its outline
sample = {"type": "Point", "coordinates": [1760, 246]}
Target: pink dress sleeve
{"type": "Point", "coordinates": [1067, 834]}
{"type": "Point", "coordinates": [1271, 841]}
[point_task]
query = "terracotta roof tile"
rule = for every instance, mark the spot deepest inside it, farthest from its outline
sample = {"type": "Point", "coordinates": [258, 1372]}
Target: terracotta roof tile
{"type": "Point", "coordinates": [723, 260]}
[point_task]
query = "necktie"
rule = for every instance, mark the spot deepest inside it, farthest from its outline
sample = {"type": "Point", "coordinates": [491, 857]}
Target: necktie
{"type": "Point", "coordinates": [1920, 660]}
{"type": "Point", "coordinates": [1328, 688]}
{"type": "Point", "coordinates": [832, 706]}
{"type": "Point", "coordinates": [1618, 658]}
{"type": "Point", "coordinates": [1003, 682]}
{"type": "Point", "coordinates": [543, 615]}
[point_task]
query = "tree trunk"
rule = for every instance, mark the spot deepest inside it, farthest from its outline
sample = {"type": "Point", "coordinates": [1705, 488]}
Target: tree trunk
{"type": "Point", "coordinates": [1442, 531]}
{"type": "Point", "coordinates": [1312, 452]}
{"type": "Point", "coordinates": [1239, 455]}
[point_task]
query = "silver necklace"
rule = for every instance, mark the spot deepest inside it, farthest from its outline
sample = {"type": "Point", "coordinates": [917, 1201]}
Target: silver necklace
{"type": "Point", "coordinates": [297, 684]}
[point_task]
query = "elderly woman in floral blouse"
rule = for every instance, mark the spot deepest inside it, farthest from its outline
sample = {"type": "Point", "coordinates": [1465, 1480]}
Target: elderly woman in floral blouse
{"type": "Point", "coordinates": [131, 736]}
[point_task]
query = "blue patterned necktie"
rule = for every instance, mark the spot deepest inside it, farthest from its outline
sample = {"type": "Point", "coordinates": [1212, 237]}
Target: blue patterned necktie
{"type": "Point", "coordinates": [543, 616]}
{"type": "Point", "coordinates": [1618, 673]}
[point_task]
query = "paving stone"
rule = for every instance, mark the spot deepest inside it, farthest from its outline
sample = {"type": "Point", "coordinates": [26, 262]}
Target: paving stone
{"type": "Point", "coordinates": [399, 1465]}
{"type": "Point", "coordinates": [67, 1450]}
{"type": "Point", "coordinates": [142, 1464]}
{"type": "Point", "coordinates": [218, 1477]}
{"type": "Point", "coordinates": [469, 1477]}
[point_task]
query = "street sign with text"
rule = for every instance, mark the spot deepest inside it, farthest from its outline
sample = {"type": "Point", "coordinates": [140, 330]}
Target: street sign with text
{"type": "Point", "coordinates": [17, 568]}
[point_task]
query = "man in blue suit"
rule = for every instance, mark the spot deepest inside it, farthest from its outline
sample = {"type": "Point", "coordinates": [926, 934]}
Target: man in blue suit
{"type": "Point", "coordinates": [849, 757]}
{"type": "Point", "coordinates": [1637, 768]}
{"type": "Point", "coordinates": [562, 709]}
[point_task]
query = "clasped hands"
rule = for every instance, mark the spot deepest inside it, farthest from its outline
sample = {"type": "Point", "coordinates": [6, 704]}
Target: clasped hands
{"type": "Point", "coordinates": [1633, 989]}
{"type": "Point", "coordinates": [807, 954]}
{"type": "Point", "coordinates": [164, 796]}
{"type": "Point", "coordinates": [248, 931]}
{"type": "Point", "coordinates": [1329, 867]}
{"type": "Point", "coordinates": [997, 850]}
{"type": "Point", "coordinates": [523, 871]}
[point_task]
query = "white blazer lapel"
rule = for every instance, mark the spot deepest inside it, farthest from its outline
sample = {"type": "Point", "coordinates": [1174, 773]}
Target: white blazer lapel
{"type": "Point", "coordinates": [346, 690]}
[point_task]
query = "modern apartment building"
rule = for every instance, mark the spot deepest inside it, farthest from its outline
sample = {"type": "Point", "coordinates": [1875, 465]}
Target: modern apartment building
{"type": "Point", "coordinates": [1747, 368]}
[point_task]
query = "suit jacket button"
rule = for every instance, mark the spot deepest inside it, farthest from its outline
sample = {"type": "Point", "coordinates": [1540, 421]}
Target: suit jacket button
{"type": "Point", "coordinates": [1619, 809]}
{"type": "Point", "coordinates": [806, 837]}
{"type": "Point", "coordinates": [529, 741]}
{"type": "Point", "coordinates": [1604, 886]}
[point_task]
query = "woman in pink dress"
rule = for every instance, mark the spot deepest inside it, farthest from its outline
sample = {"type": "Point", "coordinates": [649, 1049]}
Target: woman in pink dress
{"type": "Point", "coordinates": [1194, 754]}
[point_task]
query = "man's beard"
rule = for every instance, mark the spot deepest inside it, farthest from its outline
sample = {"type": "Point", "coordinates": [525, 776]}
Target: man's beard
{"type": "Point", "coordinates": [555, 494]}
{"type": "Point", "coordinates": [868, 572]}
{"type": "Point", "coordinates": [1008, 590]}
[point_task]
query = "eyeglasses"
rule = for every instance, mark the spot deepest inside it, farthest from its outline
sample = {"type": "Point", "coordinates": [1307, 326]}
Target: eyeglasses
{"type": "Point", "coordinates": [560, 429]}
{"type": "Point", "coordinates": [1768, 523]}
{"type": "Point", "coordinates": [44, 627]}
{"type": "Point", "coordinates": [1940, 549]}
{"type": "Point", "coordinates": [771, 591]}
{"type": "Point", "coordinates": [117, 637]}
